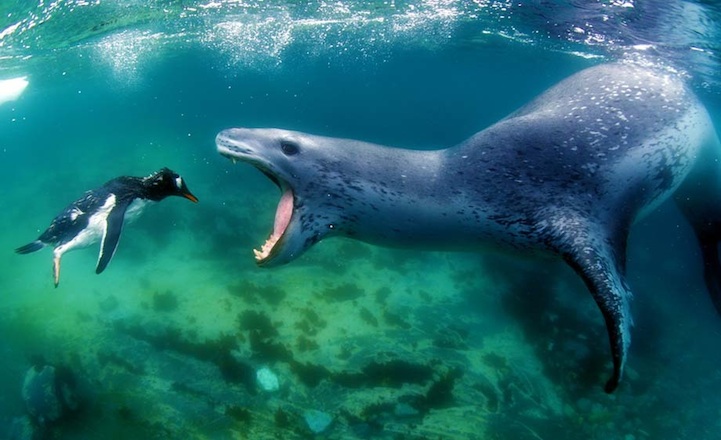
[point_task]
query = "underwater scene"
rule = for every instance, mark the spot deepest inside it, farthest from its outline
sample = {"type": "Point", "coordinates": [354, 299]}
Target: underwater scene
{"type": "Point", "coordinates": [185, 336]}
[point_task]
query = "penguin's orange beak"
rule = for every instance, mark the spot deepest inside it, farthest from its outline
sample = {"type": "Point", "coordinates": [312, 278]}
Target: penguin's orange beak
{"type": "Point", "coordinates": [190, 197]}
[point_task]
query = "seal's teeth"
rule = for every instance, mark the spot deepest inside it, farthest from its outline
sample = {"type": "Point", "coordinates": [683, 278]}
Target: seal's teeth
{"type": "Point", "coordinates": [264, 251]}
{"type": "Point", "coordinates": [234, 160]}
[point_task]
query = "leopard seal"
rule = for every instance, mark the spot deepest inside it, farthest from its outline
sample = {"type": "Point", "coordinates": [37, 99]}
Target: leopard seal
{"type": "Point", "coordinates": [567, 174]}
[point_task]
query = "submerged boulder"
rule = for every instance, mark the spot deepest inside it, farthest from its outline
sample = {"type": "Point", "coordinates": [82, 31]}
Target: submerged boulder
{"type": "Point", "coordinates": [49, 393]}
{"type": "Point", "coordinates": [22, 428]}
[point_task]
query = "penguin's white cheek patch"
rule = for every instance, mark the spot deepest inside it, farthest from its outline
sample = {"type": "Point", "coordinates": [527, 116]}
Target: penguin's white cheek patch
{"type": "Point", "coordinates": [179, 182]}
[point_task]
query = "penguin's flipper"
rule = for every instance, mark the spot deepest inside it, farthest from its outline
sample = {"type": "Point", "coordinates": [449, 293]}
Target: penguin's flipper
{"type": "Point", "coordinates": [111, 235]}
{"type": "Point", "coordinates": [30, 247]}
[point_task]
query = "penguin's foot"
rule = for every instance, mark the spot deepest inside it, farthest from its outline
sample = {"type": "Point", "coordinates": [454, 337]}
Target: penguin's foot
{"type": "Point", "coordinates": [56, 270]}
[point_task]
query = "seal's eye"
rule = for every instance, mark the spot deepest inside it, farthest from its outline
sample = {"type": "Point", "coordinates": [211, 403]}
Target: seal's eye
{"type": "Point", "coordinates": [289, 148]}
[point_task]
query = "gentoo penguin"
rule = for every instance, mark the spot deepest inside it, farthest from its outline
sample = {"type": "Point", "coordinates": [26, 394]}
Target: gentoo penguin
{"type": "Point", "coordinates": [100, 214]}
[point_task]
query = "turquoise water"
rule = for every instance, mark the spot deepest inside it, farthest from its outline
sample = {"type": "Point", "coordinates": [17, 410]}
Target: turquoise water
{"type": "Point", "coordinates": [166, 343]}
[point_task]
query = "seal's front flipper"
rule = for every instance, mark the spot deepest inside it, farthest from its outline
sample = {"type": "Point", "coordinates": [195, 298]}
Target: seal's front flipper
{"type": "Point", "coordinates": [604, 278]}
{"type": "Point", "coordinates": [598, 256]}
{"type": "Point", "coordinates": [111, 236]}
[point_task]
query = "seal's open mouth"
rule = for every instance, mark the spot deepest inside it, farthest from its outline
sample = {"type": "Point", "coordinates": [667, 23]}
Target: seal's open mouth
{"type": "Point", "coordinates": [283, 214]}
{"type": "Point", "coordinates": [242, 145]}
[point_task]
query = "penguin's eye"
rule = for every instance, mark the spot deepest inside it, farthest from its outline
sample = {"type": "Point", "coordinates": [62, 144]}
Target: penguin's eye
{"type": "Point", "coordinates": [289, 148]}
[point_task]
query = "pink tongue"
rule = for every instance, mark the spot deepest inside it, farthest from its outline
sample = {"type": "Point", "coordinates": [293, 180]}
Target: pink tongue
{"type": "Point", "coordinates": [283, 213]}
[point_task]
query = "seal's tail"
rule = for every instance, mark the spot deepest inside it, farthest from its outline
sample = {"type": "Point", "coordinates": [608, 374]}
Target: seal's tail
{"type": "Point", "coordinates": [30, 247]}
{"type": "Point", "coordinates": [702, 209]}
{"type": "Point", "coordinates": [706, 224]}
{"type": "Point", "coordinates": [699, 198]}
{"type": "Point", "coordinates": [709, 237]}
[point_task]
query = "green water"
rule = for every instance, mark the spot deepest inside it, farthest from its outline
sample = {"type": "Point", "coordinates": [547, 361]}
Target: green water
{"type": "Point", "coordinates": [391, 344]}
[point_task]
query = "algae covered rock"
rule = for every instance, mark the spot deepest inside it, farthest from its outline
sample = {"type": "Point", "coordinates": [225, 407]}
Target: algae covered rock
{"type": "Point", "coordinates": [317, 421]}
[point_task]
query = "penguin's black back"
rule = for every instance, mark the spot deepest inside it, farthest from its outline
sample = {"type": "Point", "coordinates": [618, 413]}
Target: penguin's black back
{"type": "Point", "coordinates": [75, 217]}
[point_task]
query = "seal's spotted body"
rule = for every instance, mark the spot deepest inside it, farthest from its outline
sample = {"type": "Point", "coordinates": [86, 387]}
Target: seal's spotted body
{"type": "Point", "coordinates": [566, 174]}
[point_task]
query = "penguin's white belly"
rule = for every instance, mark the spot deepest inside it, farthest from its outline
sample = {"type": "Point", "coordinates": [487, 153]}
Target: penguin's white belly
{"type": "Point", "coordinates": [97, 225]}
{"type": "Point", "coordinates": [136, 208]}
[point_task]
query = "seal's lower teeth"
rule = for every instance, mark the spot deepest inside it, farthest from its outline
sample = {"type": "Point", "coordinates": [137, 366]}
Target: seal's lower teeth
{"type": "Point", "coordinates": [264, 251]}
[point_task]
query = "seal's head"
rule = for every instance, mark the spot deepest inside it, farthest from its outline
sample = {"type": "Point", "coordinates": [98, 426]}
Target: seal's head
{"type": "Point", "coordinates": [296, 163]}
